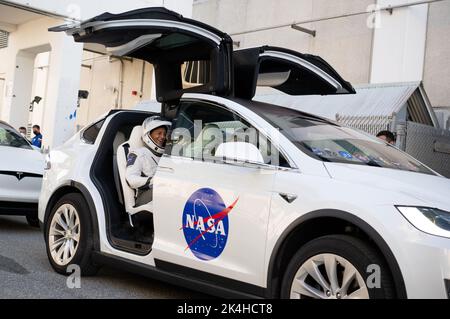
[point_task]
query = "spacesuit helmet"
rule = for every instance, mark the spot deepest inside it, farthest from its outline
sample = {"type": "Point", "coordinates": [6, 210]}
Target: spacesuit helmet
{"type": "Point", "coordinates": [148, 126]}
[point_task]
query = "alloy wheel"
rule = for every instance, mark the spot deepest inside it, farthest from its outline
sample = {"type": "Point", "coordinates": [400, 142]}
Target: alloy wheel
{"type": "Point", "coordinates": [64, 234]}
{"type": "Point", "coordinates": [328, 276]}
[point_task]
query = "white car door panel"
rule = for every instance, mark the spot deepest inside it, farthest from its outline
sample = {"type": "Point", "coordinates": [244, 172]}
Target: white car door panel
{"type": "Point", "coordinates": [210, 214]}
{"type": "Point", "coordinates": [231, 243]}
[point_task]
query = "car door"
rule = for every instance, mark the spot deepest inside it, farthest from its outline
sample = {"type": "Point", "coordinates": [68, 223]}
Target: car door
{"type": "Point", "coordinates": [288, 71]}
{"type": "Point", "coordinates": [168, 41]}
{"type": "Point", "coordinates": [211, 215]}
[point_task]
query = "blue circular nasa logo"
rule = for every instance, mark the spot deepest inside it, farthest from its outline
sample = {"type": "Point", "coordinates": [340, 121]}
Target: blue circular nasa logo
{"type": "Point", "coordinates": [205, 224]}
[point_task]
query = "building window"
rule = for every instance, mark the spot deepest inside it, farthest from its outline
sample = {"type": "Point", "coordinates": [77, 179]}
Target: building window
{"type": "Point", "coordinates": [3, 39]}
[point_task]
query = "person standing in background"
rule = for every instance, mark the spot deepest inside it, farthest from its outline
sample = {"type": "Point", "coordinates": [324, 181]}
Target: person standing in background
{"type": "Point", "coordinates": [387, 136]}
{"type": "Point", "coordinates": [37, 139]}
{"type": "Point", "coordinates": [23, 131]}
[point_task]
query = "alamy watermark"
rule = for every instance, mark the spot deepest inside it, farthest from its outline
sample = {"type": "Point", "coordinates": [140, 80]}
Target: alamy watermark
{"type": "Point", "coordinates": [373, 280]}
{"type": "Point", "coordinates": [73, 281]}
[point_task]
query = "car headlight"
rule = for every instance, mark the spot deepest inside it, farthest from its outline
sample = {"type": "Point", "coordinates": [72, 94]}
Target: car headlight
{"type": "Point", "coordinates": [432, 221]}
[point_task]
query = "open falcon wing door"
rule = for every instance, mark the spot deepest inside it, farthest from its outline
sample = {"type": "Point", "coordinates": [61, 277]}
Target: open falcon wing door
{"type": "Point", "coordinates": [285, 70]}
{"type": "Point", "coordinates": [167, 40]}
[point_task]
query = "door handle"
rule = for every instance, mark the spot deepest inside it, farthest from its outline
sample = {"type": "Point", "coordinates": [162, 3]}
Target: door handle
{"type": "Point", "coordinates": [166, 169]}
{"type": "Point", "coordinates": [290, 198]}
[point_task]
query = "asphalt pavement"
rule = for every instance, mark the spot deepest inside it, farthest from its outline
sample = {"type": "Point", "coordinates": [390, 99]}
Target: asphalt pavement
{"type": "Point", "coordinates": [26, 273]}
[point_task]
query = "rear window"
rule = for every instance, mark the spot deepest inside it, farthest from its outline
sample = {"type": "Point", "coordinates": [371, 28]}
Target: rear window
{"type": "Point", "coordinates": [11, 138]}
{"type": "Point", "coordinates": [90, 134]}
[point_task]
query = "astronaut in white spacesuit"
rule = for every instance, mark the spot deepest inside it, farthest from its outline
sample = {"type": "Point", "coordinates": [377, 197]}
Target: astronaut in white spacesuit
{"type": "Point", "coordinates": [143, 162]}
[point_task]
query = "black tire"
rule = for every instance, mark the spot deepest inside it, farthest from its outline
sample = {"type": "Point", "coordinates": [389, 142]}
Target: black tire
{"type": "Point", "coordinates": [357, 252]}
{"type": "Point", "coordinates": [33, 220]}
{"type": "Point", "coordinates": [83, 254]}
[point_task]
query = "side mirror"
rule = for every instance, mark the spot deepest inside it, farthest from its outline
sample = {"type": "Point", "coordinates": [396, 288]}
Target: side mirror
{"type": "Point", "coordinates": [240, 151]}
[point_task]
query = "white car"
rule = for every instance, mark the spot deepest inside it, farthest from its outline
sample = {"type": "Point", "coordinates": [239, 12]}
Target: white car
{"type": "Point", "coordinates": [249, 199]}
{"type": "Point", "coordinates": [21, 170]}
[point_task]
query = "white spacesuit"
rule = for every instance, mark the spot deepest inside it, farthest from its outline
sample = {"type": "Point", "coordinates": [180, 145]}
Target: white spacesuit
{"type": "Point", "coordinates": [142, 162]}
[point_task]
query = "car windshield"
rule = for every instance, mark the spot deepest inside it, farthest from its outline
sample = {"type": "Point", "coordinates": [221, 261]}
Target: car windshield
{"type": "Point", "coordinates": [330, 142]}
{"type": "Point", "coordinates": [10, 137]}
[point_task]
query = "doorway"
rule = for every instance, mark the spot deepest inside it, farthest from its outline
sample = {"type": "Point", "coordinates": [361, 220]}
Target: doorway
{"type": "Point", "coordinates": [30, 87]}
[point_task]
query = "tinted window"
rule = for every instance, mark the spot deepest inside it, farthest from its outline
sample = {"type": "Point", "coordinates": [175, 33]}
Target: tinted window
{"type": "Point", "coordinates": [10, 137]}
{"type": "Point", "coordinates": [90, 134]}
{"type": "Point", "coordinates": [201, 128]}
{"type": "Point", "coordinates": [332, 143]}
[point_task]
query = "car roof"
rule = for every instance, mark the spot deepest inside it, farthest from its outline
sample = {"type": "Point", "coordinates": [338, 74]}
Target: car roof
{"type": "Point", "coordinates": [7, 124]}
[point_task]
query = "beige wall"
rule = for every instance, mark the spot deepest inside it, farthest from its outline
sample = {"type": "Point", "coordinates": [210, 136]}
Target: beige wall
{"type": "Point", "coordinates": [437, 55]}
{"type": "Point", "coordinates": [2, 91]}
{"type": "Point", "coordinates": [345, 43]}
{"type": "Point", "coordinates": [25, 43]}
{"type": "Point", "coordinates": [2, 76]}
{"type": "Point", "coordinates": [102, 80]}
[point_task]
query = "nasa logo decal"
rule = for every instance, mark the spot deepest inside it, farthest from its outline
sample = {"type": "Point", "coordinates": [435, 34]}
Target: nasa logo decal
{"type": "Point", "coordinates": [205, 224]}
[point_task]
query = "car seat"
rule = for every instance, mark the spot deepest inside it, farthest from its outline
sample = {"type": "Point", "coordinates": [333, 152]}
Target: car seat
{"type": "Point", "coordinates": [129, 193]}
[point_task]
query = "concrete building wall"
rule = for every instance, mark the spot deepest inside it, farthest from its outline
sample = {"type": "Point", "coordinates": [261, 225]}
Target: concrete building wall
{"type": "Point", "coordinates": [25, 43]}
{"type": "Point", "coordinates": [399, 43]}
{"type": "Point", "coordinates": [437, 56]}
{"type": "Point", "coordinates": [2, 79]}
{"type": "Point", "coordinates": [111, 85]}
{"type": "Point", "coordinates": [85, 9]}
{"type": "Point", "coordinates": [411, 44]}
{"type": "Point", "coordinates": [346, 42]}
{"type": "Point", "coordinates": [2, 91]}
{"type": "Point", "coordinates": [39, 88]}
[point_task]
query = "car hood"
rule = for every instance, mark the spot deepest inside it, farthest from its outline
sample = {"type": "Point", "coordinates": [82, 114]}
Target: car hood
{"type": "Point", "coordinates": [430, 190]}
{"type": "Point", "coordinates": [21, 160]}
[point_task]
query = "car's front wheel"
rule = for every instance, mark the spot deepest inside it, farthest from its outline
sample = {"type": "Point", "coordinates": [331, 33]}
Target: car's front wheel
{"type": "Point", "coordinates": [68, 234]}
{"type": "Point", "coordinates": [337, 267]}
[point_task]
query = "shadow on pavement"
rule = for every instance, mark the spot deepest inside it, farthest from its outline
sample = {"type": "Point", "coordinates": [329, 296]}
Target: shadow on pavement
{"type": "Point", "coordinates": [16, 224]}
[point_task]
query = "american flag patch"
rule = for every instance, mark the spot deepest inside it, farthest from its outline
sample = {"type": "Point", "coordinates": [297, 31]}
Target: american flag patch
{"type": "Point", "coordinates": [131, 159]}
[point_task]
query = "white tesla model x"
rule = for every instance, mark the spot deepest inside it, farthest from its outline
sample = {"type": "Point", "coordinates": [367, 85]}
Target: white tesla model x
{"type": "Point", "coordinates": [249, 199]}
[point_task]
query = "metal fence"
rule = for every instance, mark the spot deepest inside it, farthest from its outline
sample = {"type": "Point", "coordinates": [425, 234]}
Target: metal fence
{"type": "Point", "coordinates": [370, 124]}
{"type": "Point", "coordinates": [429, 145]}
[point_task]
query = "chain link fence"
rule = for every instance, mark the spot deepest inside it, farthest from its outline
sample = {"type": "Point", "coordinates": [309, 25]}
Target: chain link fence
{"type": "Point", "coordinates": [370, 124]}
{"type": "Point", "coordinates": [428, 144]}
